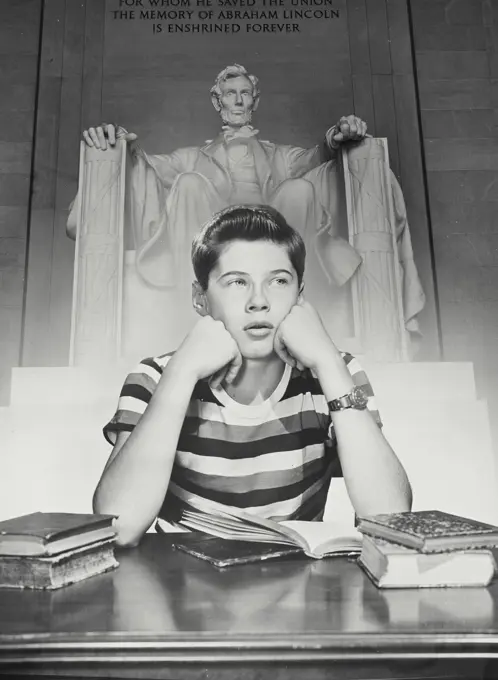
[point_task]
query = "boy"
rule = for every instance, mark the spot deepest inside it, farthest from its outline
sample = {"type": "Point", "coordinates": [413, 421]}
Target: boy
{"type": "Point", "coordinates": [257, 409]}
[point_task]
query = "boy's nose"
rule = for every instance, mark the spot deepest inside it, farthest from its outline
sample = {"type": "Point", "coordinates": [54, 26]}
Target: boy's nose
{"type": "Point", "coordinates": [258, 306]}
{"type": "Point", "coordinates": [258, 301]}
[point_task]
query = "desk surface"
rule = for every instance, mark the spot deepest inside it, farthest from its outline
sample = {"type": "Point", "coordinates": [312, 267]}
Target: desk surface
{"type": "Point", "coordinates": [163, 605]}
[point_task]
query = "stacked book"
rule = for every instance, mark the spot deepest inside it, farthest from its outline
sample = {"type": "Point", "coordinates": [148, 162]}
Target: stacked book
{"type": "Point", "coordinates": [428, 548]}
{"type": "Point", "coordinates": [51, 550]}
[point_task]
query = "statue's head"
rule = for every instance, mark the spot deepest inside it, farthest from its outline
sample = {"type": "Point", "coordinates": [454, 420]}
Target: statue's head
{"type": "Point", "coordinates": [235, 95]}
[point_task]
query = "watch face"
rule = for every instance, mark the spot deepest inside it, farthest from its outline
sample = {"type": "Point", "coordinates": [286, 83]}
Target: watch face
{"type": "Point", "coordinates": [359, 397]}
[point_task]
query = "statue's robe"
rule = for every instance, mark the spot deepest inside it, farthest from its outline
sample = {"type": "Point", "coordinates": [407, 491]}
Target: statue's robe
{"type": "Point", "coordinates": [172, 196]}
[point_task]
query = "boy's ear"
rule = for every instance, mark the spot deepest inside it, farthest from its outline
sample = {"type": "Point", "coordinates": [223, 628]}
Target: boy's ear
{"type": "Point", "coordinates": [199, 301]}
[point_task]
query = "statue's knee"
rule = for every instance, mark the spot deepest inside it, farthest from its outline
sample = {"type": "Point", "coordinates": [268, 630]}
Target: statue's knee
{"type": "Point", "coordinates": [190, 182]}
{"type": "Point", "coordinates": [296, 190]}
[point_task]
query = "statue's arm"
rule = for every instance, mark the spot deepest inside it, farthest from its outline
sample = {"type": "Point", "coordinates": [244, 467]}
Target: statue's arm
{"type": "Point", "coordinates": [299, 161]}
{"type": "Point", "coordinates": [167, 167]}
{"type": "Point", "coordinates": [347, 129]}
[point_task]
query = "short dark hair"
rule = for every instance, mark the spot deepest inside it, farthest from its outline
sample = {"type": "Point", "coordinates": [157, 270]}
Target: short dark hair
{"type": "Point", "coordinates": [245, 223]}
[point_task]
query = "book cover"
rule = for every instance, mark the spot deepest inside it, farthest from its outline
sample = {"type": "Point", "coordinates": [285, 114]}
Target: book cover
{"type": "Point", "coordinates": [222, 552]}
{"type": "Point", "coordinates": [44, 572]}
{"type": "Point", "coordinates": [395, 566]}
{"type": "Point", "coordinates": [430, 530]}
{"type": "Point", "coordinates": [46, 533]}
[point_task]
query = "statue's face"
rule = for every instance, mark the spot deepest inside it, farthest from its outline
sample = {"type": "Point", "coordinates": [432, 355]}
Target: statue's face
{"type": "Point", "coordinates": [236, 103]}
{"type": "Point", "coordinates": [252, 289]}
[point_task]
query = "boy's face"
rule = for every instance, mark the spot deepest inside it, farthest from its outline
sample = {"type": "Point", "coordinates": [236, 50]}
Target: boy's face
{"type": "Point", "coordinates": [252, 289]}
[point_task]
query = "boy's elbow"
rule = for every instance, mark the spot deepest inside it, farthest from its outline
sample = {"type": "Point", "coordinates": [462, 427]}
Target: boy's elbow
{"type": "Point", "coordinates": [396, 498]}
{"type": "Point", "coordinates": [98, 506]}
{"type": "Point", "coordinates": [405, 492]}
{"type": "Point", "coordinates": [127, 535]}
{"type": "Point", "coordinates": [402, 500]}
{"type": "Point", "coordinates": [127, 540]}
{"type": "Point", "coordinates": [409, 496]}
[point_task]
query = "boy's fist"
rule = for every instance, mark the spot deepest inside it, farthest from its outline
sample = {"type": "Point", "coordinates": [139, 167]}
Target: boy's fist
{"type": "Point", "coordinates": [301, 339]}
{"type": "Point", "coordinates": [210, 350]}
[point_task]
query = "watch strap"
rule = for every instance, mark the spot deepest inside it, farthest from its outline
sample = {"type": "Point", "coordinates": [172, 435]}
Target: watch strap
{"type": "Point", "coordinates": [356, 399]}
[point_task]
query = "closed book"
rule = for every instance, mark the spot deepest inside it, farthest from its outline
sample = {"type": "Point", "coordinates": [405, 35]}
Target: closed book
{"type": "Point", "coordinates": [430, 530]}
{"type": "Point", "coordinates": [222, 552]}
{"type": "Point", "coordinates": [49, 533]}
{"type": "Point", "coordinates": [55, 571]}
{"type": "Point", "coordinates": [314, 539]}
{"type": "Point", "coordinates": [395, 566]}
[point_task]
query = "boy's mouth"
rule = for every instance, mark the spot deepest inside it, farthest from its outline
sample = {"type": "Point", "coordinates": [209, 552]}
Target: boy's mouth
{"type": "Point", "coordinates": [259, 329]}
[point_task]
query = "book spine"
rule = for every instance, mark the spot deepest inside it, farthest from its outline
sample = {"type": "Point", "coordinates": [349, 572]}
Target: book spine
{"type": "Point", "coordinates": [21, 572]}
{"type": "Point", "coordinates": [66, 573]}
{"type": "Point", "coordinates": [51, 573]}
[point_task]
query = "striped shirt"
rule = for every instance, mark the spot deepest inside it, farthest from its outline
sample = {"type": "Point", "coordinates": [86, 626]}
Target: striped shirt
{"type": "Point", "coordinates": [274, 459]}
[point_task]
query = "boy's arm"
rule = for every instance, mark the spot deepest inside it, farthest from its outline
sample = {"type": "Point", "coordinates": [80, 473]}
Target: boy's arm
{"type": "Point", "coordinates": [136, 477]}
{"type": "Point", "coordinates": [137, 474]}
{"type": "Point", "coordinates": [374, 477]}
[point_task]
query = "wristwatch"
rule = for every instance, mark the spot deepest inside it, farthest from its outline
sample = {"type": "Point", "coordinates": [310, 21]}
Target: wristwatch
{"type": "Point", "coordinates": [357, 399]}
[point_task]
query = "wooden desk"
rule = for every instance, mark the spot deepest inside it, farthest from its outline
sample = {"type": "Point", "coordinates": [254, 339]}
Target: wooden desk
{"type": "Point", "coordinates": [164, 614]}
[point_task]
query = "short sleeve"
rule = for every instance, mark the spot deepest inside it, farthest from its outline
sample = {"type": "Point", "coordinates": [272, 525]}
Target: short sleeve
{"type": "Point", "coordinates": [360, 379]}
{"type": "Point", "coordinates": [134, 397]}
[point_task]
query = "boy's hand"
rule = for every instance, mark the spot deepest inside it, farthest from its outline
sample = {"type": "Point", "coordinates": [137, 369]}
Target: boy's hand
{"type": "Point", "coordinates": [210, 350]}
{"type": "Point", "coordinates": [301, 339]}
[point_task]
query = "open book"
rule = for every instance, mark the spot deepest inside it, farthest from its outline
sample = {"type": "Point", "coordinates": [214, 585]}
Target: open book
{"type": "Point", "coordinates": [315, 539]}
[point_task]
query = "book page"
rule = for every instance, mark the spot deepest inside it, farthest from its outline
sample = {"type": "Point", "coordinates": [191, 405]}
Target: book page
{"type": "Point", "coordinates": [222, 532]}
{"type": "Point", "coordinates": [234, 528]}
{"type": "Point", "coordinates": [246, 527]}
{"type": "Point", "coordinates": [316, 538]}
{"type": "Point", "coordinates": [326, 537]}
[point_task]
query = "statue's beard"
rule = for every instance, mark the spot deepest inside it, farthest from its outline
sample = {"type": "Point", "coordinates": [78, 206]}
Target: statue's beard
{"type": "Point", "coordinates": [225, 115]}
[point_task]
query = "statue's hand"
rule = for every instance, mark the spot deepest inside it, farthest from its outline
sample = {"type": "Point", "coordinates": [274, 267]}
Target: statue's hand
{"type": "Point", "coordinates": [106, 135]}
{"type": "Point", "coordinates": [347, 129]}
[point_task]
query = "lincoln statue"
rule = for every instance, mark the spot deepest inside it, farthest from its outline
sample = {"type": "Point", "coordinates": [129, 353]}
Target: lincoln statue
{"type": "Point", "coordinates": [171, 196]}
